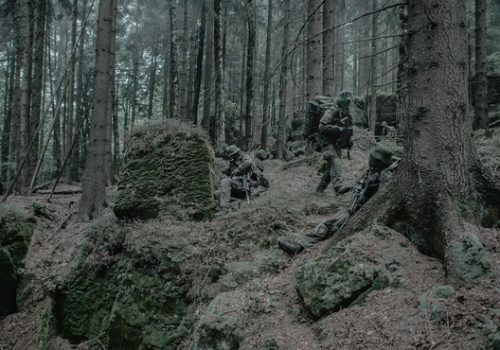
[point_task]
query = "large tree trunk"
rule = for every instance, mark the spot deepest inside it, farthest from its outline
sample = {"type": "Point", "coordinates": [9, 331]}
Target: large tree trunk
{"type": "Point", "coordinates": [183, 73]}
{"type": "Point", "coordinates": [314, 81]}
{"type": "Point", "coordinates": [267, 77]}
{"type": "Point", "coordinates": [328, 49]}
{"type": "Point", "coordinates": [7, 122]}
{"type": "Point", "coordinates": [481, 86]}
{"type": "Point", "coordinates": [207, 121]}
{"type": "Point", "coordinates": [94, 182]}
{"type": "Point", "coordinates": [440, 182]}
{"type": "Point", "coordinates": [280, 141]}
{"type": "Point", "coordinates": [220, 123]}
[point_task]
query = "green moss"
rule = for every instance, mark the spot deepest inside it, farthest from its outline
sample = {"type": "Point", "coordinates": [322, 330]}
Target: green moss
{"type": "Point", "coordinates": [128, 302]}
{"type": "Point", "coordinates": [42, 341]}
{"type": "Point", "coordinates": [270, 344]}
{"type": "Point", "coordinates": [328, 284]}
{"type": "Point", "coordinates": [469, 256]}
{"type": "Point", "coordinates": [15, 237]}
{"type": "Point", "coordinates": [178, 171]}
{"type": "Point", "coordinates": [445, 292]}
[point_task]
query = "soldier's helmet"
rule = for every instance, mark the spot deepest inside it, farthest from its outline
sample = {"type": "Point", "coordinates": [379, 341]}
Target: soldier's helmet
{"type": "Point", "coordinates": [344, 99]}
{"type": "Point", "coordinates": [232, 151]}
{"type": "Point", "coordinates": [380, 157]}
{"type": "Point", "coordinates": [261, 154]}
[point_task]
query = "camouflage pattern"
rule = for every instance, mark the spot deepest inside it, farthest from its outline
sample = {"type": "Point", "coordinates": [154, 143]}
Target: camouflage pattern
{"type": "Point", "coordinates": [377, 177]}
{"type": "Point", "coordinates": [332, 168]}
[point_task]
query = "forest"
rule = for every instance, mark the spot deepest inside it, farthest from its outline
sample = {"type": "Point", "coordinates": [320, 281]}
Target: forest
{"type": "Point", "coordinates": [249, 174]}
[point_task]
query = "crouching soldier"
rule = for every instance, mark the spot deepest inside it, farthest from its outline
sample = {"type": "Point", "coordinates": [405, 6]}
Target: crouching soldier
{"type": "Point", "coordinates": [379, 172]}
{"type": "Point", "coordinates": [243, 175]}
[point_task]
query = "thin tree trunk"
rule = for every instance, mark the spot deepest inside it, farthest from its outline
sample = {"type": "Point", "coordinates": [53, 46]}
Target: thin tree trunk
{"type": "Point", "coordinates": [199, 63]}
{"type": "Point", "coordinates": [152, 80]}
{"type": "Point", "coordinates": [26, 81]}
{"type": "Point", "coordinates": [9, 104]}
{"type": "Point", "coordinates": [174, 72]}
{"type": "Point", "coordinates": [250, 74]}
{"type": "Point", "coordinates": [372, 115]}
{"type": "Point", "coordinates": [267, 77]}
{"type": "Point", "coordinates": [280, 141]}
{"type": "Point", "coordinates": [314, 81]}
{"type": "Point", "coordinates": [71, 92]}
{"type": "Point", "coordinates": [207, 121]}
{"type": "Point", "coordinates": [220, 123]}
{"type": "Point", "coordinates": [328, 49]}
{"type": "Point", "coordinates": [481, 79]}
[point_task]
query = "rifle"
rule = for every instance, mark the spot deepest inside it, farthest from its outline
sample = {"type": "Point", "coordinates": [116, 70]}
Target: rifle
{"type": "Point", "coordinates": [357, 194]}
{"type": "Point", "coordinates": [245, 185]}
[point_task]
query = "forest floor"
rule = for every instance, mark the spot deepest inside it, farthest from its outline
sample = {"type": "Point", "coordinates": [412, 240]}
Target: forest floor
{"type": "Point", "coordinates": [239, 247]}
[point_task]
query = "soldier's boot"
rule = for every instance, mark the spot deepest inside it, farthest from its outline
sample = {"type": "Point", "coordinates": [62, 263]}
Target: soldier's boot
{"type": "Point", "coordinates": [291, 248]}
{"type": "Point", "coordinates": [341, 189]}
{"type": "Point", "coordinates": [323, 184]}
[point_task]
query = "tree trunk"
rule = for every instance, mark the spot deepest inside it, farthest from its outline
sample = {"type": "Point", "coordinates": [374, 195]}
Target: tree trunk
{"type": "Point", "coordinates": [152, 79]}
{"type": "Point", "coordinates": [199, 63]}
{"type": "Point", "coordinates": [183, 73]}
{"type": "Point", "coordinates": [7, 122]}
{"type": "Point", "coordinates": [207, 122]}
{"type": "Point", "coordinates": [267, 77]}
{"type": "Point", "coordinates": [280, 139]}
{"type": "Point", "coordinates": [481, 79]}
{"type": "Point", "coordinates": [94, 182]}
{"type": "Point", "coordinates": [313, 83]}
{"type": "Point", "coordinates": [135, 87]}
{"type": "Point", "coordinates": [220, 123]}
{"type": "Point", "coordinates": [249, 73]}
{"type": "Point", "coordinates": [26, 19]}
{"type": "Point", "coordinates": [174, 72]}
{"type": "Point", "coordinates": [440, 181]}
{"type": "Point", "coordinates": [372, 103]}
{"type": "Point", "coordinates": [328, 49]}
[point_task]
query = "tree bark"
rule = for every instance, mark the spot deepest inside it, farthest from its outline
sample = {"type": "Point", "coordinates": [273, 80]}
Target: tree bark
{"type": "Point", "coordinates": [372, 103]}
{"type": "Point", "coordinates": [220, 123]}
{"type": "Point", "coordinates": [199, 63]}
{"type": "Point", "coordinates": [328, 49]}
{"type": "Point", "coordinates": [94, 183]}
{"type": "Point", "coordinates": [207, 121]}
{"type": "Point", "coordinates": [251, 31]}
{"type": "Point", "coordinates": [314, 81]}
{"type": "Point", "coordinates": [174, 72]}
{"type": "Point", "coordinates": [267, 77]}
{"type": "Point", "coordinates": [280, 141]}
{"type": "Point", "coordinates": [183, 73]}
{"type": "Point", "coordinates": [481, 79]}
{"type": "Point", "coordinates": [440, 182]}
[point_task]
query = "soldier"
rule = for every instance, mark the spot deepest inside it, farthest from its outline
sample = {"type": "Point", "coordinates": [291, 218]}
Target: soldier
{"type": "Point", "coordinates": [379, 172]}
{"type": "Point", "coordinates": [388, 131]}
{"type": "Point", "coordinates": [243, 175]}
{"type": "Point", "coordinates": [335, 132]}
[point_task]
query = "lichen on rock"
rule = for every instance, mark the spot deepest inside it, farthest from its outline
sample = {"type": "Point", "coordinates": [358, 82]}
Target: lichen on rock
{"type": "Point", "coordinates": [166, 166]}
{"type": "Point", "coordinates": [329, 283]}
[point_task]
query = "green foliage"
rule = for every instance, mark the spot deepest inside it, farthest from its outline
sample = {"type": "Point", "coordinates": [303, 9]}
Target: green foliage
{"type": "Point", "coordinates": [469, 257]}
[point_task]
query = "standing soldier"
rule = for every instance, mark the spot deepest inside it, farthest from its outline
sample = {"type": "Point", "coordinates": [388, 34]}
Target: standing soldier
{"type": "Point", "coordinates": [335, 132]}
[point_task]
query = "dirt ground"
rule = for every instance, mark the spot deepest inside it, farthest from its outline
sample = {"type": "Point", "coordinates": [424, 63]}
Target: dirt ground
{"type": "Point", "coordinates": [271, 314]}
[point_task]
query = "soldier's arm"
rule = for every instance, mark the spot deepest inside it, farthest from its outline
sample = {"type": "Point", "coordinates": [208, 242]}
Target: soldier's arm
{"type": "Point", "coordinates": [245, 166]}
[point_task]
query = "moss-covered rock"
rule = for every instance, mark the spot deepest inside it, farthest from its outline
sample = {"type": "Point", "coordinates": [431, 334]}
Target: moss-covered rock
{"type": "Point", "coordinates": [125, 300]}
{"type": "Point", "coordinates": [15, 237]}
{"type": "Point", "coordinates": [329, 283]}
{"type": "Point", "coordinates": [470, 257]}
{"type": "Point", "coordinates": [217, 328]}
{"type": "Point", "coordinates": [166, 166]}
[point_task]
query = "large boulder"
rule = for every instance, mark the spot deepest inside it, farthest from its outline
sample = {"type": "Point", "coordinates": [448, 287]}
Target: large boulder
{"type": "Point", "coordinates": [167, 167]}
{"type": "Point", "coordinates": [330, 283]}
{"type": "Point", "coordinates": [15, 237]}
{"type": "Point", "coordinates": [121, 298]}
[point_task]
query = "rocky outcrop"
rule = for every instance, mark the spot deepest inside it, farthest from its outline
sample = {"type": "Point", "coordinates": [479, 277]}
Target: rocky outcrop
{"type": "Point", "coordinates": [167, 167]}
{"type": "Point", "coordinates": [15, 237]}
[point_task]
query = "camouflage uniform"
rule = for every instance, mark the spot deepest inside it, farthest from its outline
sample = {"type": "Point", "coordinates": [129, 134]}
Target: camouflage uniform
{"type": "Point", "coordinates": [333, 137]}
{"type": "Point", "coordinates": [378, 175]}
{"type": "Point", "coordinates": [242, 167]}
